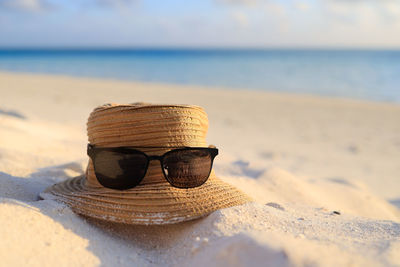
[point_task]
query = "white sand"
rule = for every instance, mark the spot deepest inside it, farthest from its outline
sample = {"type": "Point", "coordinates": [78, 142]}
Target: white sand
{"type": "Point", "coordinates": [300, 157]}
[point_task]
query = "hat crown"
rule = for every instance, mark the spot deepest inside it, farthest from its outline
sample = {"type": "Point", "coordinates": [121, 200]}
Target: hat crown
{"type": "Point", "coordinates": [141, 125]}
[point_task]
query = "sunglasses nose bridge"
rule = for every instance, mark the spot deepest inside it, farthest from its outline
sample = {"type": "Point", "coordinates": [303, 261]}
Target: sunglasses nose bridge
{"type": "Point", "coordinates": [155, 158]}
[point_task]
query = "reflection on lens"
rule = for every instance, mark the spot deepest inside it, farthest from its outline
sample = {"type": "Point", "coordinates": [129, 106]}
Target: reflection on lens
{"type": "Point", "coordinates": [187, 168]}
{"type": "Point", "coordinates": [119, 170]}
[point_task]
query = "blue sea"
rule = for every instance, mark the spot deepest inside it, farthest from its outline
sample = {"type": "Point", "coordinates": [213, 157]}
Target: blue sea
{"type": "Point", "coordinates": [361, 74]}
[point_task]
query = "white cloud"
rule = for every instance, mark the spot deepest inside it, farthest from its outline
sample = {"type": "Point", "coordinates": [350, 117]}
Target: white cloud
{"type": "Point", "coordinates": [392, 7]}
{"type": "Point", "coordinates": [303, 6]}
{"type": "Point", "coordinates": [241, 18]}
{"type": "Point", "coordinates": [385, 12]}
{"type": "Point", "coordinates": [385, 7]}
{"type": "Point", "coordinates": [115, 3]}
{"type": "Point", "coordinates": [275, 8]}
{"type": "Point", "coordinates": [27, 5]}
{"type": "Point", "coordinates": [40, 5]}
{"type": "Point", "coordinates": [240, 2]}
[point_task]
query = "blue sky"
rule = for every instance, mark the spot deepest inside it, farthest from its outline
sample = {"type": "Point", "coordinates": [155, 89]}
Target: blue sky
{"type": "Point", "coordinates": [203, 23]}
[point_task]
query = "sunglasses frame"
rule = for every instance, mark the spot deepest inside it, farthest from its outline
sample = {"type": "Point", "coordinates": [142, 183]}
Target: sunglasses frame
{"type": "Point", "coordinates": [93, 150]}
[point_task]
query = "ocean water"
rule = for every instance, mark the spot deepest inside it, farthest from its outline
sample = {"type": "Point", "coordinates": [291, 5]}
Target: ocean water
{"type": "Point", "coordinates": [365, 74]}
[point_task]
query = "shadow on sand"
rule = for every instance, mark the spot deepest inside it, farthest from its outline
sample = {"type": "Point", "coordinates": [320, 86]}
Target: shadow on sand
{"type": "Point", "coordinates": [12, 113]}
{"type": "Point", "coordinates": [143, 245]}
{"type": "Point", "coordinates": [395, 202]}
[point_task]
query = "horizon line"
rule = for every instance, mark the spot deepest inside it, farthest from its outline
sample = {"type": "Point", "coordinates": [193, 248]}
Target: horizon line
{"type": "Point", "coordinates": [193, 48]}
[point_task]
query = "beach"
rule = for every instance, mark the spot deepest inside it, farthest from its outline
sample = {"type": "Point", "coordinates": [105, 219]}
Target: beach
{"type": "Point", "coordinates": [323, 173]}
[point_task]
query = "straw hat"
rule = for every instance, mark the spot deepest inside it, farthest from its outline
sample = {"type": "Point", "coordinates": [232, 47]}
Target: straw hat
{"type": "Point", "coordinates": [154, 200]}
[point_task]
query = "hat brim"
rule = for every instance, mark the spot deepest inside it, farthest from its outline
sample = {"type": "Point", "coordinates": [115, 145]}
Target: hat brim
{"type": "Point", "coordinates": [159, 203]}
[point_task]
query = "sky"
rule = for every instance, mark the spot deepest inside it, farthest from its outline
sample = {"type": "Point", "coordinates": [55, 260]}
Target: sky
{"type": "Point", "coordinates": [202, 23]}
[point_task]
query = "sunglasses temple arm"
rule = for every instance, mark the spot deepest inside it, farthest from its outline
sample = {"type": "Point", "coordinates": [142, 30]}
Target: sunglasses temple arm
{"type": "Point", "coordinates": [89, 149]}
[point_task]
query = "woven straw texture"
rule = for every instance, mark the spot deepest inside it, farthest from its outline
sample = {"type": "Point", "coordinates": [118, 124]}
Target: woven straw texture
{"type": "Point", "coordinates": [154, 200]}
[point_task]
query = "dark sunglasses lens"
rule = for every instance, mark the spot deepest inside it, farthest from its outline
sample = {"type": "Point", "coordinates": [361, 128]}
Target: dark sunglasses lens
{"type": "Point", "coordinates": [119, 170]}
{"type": "Point", "coordinates": [187, 168]}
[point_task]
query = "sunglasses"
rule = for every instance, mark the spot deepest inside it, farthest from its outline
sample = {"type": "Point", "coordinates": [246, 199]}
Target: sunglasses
{"type": "Point", "coordinates": [124, 167]}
